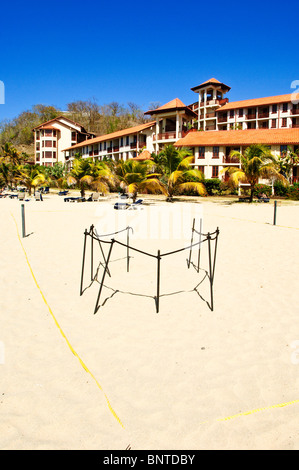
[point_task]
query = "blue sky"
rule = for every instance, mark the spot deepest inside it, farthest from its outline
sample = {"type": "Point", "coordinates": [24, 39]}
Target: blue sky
{"type": "Point", "coordinates": [57, 52]}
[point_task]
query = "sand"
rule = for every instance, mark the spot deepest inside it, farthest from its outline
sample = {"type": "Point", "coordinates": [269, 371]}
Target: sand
{"type": "Point", "coordinates": [184, 378]}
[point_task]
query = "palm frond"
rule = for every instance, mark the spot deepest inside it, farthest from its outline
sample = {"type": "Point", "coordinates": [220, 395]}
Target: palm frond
{"type": "Point", "coordinates": [199, 188]}
{"type": "Point", "coordinates": [175, 177]}
{"type": "Point", "coordinates": [185, 163]}
{"type": "Point", "coordinates": [153, 185]}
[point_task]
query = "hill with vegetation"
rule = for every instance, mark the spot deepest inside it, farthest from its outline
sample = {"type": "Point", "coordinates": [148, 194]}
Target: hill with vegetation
{"type": "Point", "coordinates": [99, 119]}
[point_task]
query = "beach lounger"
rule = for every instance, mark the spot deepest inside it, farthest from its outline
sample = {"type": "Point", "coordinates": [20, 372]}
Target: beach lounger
{"type": "Point", "coordinates": [263, 199]}
{"type": "Point", "coordinates": [21, 196]}
{"type": "Point", "coordinates": [62, 193]}
{"type": "Point", "coordinates": [74, 199]}
{"type": "Point", "coordinates": [136, 205]}
{"type": "Point", "coordinates": [95, 196]}
{"type": "Point", "coordinates": [121, 205]}
{"type": "Point", "coordinates": [244, 199]}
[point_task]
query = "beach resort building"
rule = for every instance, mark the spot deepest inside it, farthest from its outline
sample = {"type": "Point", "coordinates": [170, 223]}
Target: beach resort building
{"type": "Point", "coordinates": [212, 127]}
{"type": "Point", "coordinates": [212, 149]}
{"type": "Point", "coordinates": [52, 137]}
{"type": "Point", "coordinates": [124, 144]}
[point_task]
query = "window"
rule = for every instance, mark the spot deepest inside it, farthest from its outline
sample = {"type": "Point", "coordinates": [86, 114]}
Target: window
{"type": "Point", "coordinates": [201, 152]}
{"type": "Point", "coordinates": [284, 122]}
{"type": "Point", "coordinates": [274, 108]}
{"type": "Point", "coordinates": [105, 145]}
{"type": "Point", "coordinates": [48, 132]}
{"type": "Point", "coordinates": [127, 140]}
{"type": "Point", "coordinates": [48, 143]}
{"type": "Point", "coordinates": [202, 169]}
{"type": "Point", "coordinates": [37, 157]}
{"type": "Point", "coordinates": [283, 149]}
{"type": "Point", "coordinates": [121, 141]}
{"type": "Point", "coordinates": [54, 154]}
{"type": "Point", "coordinates": [37, 135]}
{"type": "Point", "coordinates": [231, 113]}
{"type": "Point", "coordinates": [215, 152]}
{"type": "Point", "coordinates": [100, 146]}
{"type": "Point", "coordinates": [264, 125]}
{"type": "Point", "coordinates": [54, 143]}
{"type": "Point", "coordinates": [284, 107]}
{"type": "Point", "coordinates": [241, 112]}
{"type": "Point", "coordinates": [48, 154]}
{"type": "Point", "coordinates": [273, 123]}
{"type": "Point", "coordinates": [215, 171]}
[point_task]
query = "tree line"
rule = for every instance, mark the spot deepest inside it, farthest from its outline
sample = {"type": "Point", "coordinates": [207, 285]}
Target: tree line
{"type": "Point", "coordinates": [170, 172]}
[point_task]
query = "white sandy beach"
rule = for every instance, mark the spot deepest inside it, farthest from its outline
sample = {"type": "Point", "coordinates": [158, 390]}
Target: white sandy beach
{"type": "Point", "coordinates": [184, 378]}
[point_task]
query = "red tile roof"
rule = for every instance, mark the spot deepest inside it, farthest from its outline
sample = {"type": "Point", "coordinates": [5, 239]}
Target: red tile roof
{"type": "Point", "coordinates": [211, 81]}
{"type": "Point", "coordinates": [58, 119]}
{"type": "Point", "coordinates": [173, 105]}
{"type": "Point", "coordinates": [113, 135]}
{"type": "Point", "coordinates": [47, 126]}
{"type": "Point", "coordinates": [256, 102]}
{"type": "Point", "coordinates": [144, 155]}
{"type": "Point", "coordinates": [240, 137]}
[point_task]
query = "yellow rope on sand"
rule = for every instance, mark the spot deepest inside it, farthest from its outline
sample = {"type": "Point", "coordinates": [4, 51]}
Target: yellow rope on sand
{"type": "Point", "coordinates": [61, 331]}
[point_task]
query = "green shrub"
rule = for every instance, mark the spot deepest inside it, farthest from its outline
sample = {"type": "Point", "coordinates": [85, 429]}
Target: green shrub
{"type": "Point", "coordinates": [280, 189]}
{"type": "Point", "coordinates": [262, 189]}
{"type": "Point", "coordinates": [293, 192]}
{"type": "Point", "coordinates": [212, 186]}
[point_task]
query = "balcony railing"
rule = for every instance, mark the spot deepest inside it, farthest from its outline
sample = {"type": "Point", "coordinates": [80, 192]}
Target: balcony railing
{"type": "Point", "coordinates": [295, 111]}
{"type": "Point", "coordinates": [295, 126]}
{"type": "Point", "coordinates": [210, 101]}
{"type": "Point", "coordinates": [263, 115]}
{"type": "Point", "coordinates": [170, 135]}
{"type": "Point", "coordinates": [210, 128]}
{"type": "Point", "coordinates": [133, 145]}
{"type": "Point", "coordinates": [116, 148]}
{"type": "Point", "coordinates": [250, 116]}
{"type": "Point", "coordinates": [222, 119]}
{"type": "Point", "coordinates": [210, 115]}
{"type": "Point", "coordinates": [231, 160]}
{"type": "Point", "coordinates": [109, 149]}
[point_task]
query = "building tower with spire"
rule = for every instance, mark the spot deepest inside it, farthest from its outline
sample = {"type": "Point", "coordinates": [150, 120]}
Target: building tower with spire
{"type": "Point", "coordinates": [210, 98]}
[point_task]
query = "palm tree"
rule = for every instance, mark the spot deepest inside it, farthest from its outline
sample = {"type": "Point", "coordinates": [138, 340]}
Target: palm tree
{"type": "Point", "coordinates": [11, 155]}
{"type": "Point", "coordinates": [30, 177]}
{"type": "Point", "coordinates": [184, 178]}
{"type": "Point", "coordinates": [256, 162]}
{"type": "Point", "coordinates": [136, 176]}
{"type": "Point", "coordinates": [5, 172]}
{"type": "Point", "coordinates": [178, 175]}
{"type": "Point", "coordinates": [169, 158]}
{"type": "Point", "coordinates": [286, 163]}
{"type": "Point", "coordinates": [85, 173]}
